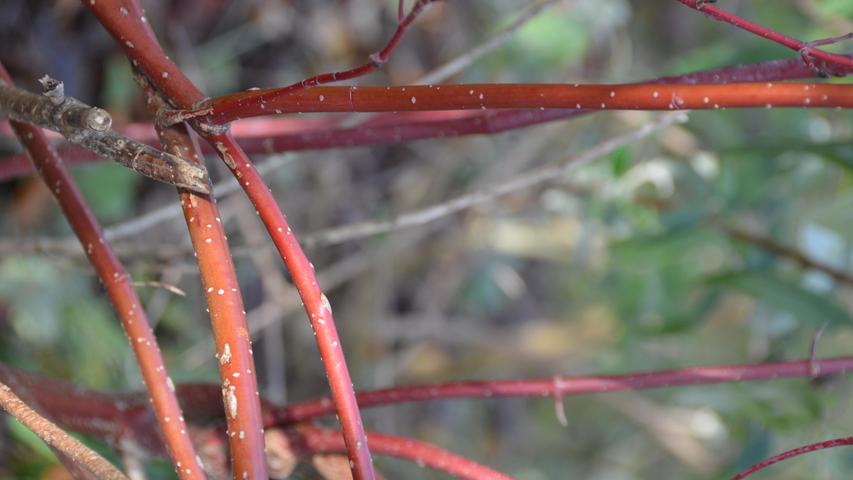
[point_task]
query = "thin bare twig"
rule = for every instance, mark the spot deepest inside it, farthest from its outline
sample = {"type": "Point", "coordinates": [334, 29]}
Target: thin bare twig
{"type": "Point", "coordinates": [56, 437]}
{"type": "Point", "coordinates": [784, 251]}
{"type": "Point", "coordinates": [89, 127]}
{"type": "Point", "coordinates": [432, 213]}
{"type": "Point", "coordinates": [69, 246]}
{"type": "Point", "coordinates": [165, 286]}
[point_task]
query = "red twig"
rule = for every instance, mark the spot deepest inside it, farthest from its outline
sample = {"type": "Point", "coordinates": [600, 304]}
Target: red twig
{"type": "Point", "coordinates": [489, 96]}
{"type": "Point", "coordinates": [838, 442]}
{"type": "Point", "coordinates": [804, 48]}
{"type": "Point", "coordinates": [121, 291]}
{"type": "Point", "coordinates": [319, 440]}
{"type": "Point", "coordinates": [376, 60]}
{"type": "Point", "coordinates": [124, 21]}
{"type": "Point", "coordinates": [570, 385]}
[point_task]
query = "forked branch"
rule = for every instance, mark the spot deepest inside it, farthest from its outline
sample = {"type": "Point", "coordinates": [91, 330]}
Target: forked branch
{"type": "Point", "coordinates": [833, 62]}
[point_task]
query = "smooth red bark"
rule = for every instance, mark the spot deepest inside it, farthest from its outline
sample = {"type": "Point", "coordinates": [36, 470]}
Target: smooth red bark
{"type": "Point", "coordinates": [500, 96]}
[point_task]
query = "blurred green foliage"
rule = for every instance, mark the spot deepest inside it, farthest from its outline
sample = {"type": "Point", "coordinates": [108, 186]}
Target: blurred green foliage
{"type": "Point", "coordinates": [624, 267]}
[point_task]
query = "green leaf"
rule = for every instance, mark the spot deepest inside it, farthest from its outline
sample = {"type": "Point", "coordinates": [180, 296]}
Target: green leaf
{"type": "Point", "coordinates": [784, 295]}
{"type": "Point", "coordinates": [620, 161]}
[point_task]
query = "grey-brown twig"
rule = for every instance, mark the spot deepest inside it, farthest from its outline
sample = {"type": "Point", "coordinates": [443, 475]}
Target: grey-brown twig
{"type": "Point", "coordinates": [480, 196]}
{"type": "Point", "coordinates": [57, 438]}
{"type": "Point", "coordinates": [89, 127]}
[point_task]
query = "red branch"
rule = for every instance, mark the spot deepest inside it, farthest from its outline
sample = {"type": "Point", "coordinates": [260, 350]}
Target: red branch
{"type": "Point", "coordinates": [316, 303]}
{"type": "Point", "coordinates": [804, 48]}
{"type": "Point", "coordinates": [225, 304]}
{"type": "Point", "coordinates": [272, 135]}
{"type": "Point", "coordinates": [104, 415]}
{"type": "Point", "coordinates": [255, 103]}
{"type": "Point", "coordinates": [838, 442]}
{"type": "Point", "coordinates": [121, 291]}
{"type": "Point", "coordinates": [125, 22]}
{"type": "Point", "coordinates": [571, 385]}
{"type": "Point", "coordinates": [319, 440]}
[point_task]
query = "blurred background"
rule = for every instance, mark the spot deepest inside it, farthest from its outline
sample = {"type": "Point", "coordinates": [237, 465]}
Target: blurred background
{"type": "Point", "coordinates": [664, 254]}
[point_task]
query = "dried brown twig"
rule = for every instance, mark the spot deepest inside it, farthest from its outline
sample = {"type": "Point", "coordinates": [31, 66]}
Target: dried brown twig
{"type": "Point", "coordinates": [89, 127]}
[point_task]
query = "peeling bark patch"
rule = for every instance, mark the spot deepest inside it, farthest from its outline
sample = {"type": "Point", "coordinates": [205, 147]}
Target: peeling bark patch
{"type": "Point", "coordinates": [225, 358]}
{"type": "Point", "coordinates": [231, 401]}
{"type": "Point", "coordinates": [226, 156]}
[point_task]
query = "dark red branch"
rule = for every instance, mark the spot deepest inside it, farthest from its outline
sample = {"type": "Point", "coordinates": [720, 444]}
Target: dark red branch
{"type": "Point", "coordinates": [838, 442]}
{"type": "Point", "coordinates": [107, 415]}
{"type": "Point", "coordinates": [570, 385]}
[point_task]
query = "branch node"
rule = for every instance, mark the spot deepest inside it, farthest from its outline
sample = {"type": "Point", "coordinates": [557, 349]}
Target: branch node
{"type": "Point", "coordinates": [376, 60]}
{"type": "Point", "coordinates": [809, 58]}
{"type": "Point", "coordinates": [98, 119]}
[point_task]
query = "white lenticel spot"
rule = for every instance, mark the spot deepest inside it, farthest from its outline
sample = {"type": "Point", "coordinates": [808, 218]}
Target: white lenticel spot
{"type": "Point", "coordinates": [225, 358]}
